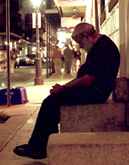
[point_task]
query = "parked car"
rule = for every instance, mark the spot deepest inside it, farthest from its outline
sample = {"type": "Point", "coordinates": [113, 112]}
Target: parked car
{"type": "Point", "coordinates": [32, 56]}
{"type": "Point", "coordinates": [3, 57]}
{"type": "Point", "coordinates": [23, 60]}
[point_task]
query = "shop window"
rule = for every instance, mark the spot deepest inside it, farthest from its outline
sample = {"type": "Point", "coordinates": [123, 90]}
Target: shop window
{"type": "Point", "coordinates": [102, 8]}
{"type": "Point", "coordinates": [112, 3]}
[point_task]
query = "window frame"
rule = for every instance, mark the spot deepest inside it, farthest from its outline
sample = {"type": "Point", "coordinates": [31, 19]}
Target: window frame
{"type": "Point", "coordinates": [111, 5]}
{"type": "Point", "coordinates": [102, 11]}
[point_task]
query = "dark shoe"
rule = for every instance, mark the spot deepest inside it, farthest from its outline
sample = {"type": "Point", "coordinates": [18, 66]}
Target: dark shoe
{"type": "Point", "coordinates": [27, 151]}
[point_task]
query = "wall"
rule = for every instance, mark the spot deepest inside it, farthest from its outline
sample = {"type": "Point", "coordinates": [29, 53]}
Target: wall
{"type": "Point", "coordinates": [114, 22]}
{"type": "Point", "coordinates": [110, 25]}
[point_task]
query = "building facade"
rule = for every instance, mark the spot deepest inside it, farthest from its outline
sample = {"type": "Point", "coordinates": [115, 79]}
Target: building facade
{"type": "Point", "coordinates": [113, 20]}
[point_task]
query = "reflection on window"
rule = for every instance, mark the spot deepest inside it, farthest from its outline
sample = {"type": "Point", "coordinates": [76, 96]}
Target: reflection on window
{"type": "Point", "coordinates": [102, 8]}
{"type": "Point", "coordinates": [112, 3]}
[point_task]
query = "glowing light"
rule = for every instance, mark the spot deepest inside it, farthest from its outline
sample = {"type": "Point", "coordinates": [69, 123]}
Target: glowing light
{"type": "Point", "coordinates": [62, 36]}
{"type": "Point", "coordinates": [6, 43]}
{"type": "Point", "coordinates": [36, 3]}
{"type": "Point", "coordinates": [3, 84]}
{"type": "Point", "coordinates": [30, 121]}
{"type": "Point", "coordinates": [33, 49]}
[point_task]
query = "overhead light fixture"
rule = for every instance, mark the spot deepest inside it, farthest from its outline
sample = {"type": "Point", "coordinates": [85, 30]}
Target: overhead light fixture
{"type": "Point", "coordinates": [73, 16]}
{"type": "Point", "coordinates": [74, 9]}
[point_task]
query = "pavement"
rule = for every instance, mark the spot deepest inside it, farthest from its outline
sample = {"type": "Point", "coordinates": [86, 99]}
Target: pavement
{"type": "Point", "coordinates": [18, 128]}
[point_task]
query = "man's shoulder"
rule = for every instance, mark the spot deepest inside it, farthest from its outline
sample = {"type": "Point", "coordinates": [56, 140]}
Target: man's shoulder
{"type": "Point", "coordinates": [106, 41]}
{"type": "Point", "coordinates": [105, 44]}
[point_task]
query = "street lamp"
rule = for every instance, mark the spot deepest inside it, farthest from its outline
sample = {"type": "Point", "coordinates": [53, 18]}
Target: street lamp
{"type": "Point", "coordinates": [38, 79]}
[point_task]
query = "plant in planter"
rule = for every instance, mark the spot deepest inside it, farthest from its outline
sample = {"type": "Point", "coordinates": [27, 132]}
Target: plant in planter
{"type": "Point", "coordinates": [4, 117]}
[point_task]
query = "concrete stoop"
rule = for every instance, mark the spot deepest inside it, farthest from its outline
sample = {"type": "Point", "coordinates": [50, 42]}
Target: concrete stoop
{"type": "Point", "coordinates": [93, 134]}
{"type": "Point", "coordinates": [95, 148]}
{"type": "Point", "coordinates": [110, 116]}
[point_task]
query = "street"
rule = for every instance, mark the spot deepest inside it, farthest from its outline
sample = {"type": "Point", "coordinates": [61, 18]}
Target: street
{"type": "Point", "coordinates": [23, 76]}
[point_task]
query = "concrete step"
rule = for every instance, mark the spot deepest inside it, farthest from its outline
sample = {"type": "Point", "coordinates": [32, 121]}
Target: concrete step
{"type": "Point", "coordinates": [110, 116]}
{"type": "Point", "coordinates": [101, 148]}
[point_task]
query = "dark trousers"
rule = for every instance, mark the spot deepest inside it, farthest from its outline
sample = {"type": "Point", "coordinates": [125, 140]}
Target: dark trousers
{"type": "Point", "coordinates": [49, 114]}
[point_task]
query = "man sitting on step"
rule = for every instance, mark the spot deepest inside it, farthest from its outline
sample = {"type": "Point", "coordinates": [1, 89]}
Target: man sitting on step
{"type": "Point", "coordinates": [93, 84]}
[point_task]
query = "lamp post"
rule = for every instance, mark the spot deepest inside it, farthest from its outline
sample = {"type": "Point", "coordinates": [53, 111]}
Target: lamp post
{"type": "Point", "coordinates": [38, 79]}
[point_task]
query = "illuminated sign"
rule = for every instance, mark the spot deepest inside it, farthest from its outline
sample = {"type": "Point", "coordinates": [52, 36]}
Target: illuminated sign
{"type": "Point", "coordinates": [71, 2]}
{"type": "Point", "coordinates": [69, 21]}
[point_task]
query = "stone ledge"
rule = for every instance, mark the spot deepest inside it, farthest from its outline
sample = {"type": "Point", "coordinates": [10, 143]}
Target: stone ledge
{"type": "Point", "coordinates": [88, 148]}
{"type": "Point", "coordinates": [121, 90]}
{"type": "Point", "coordinates": [109, 116]}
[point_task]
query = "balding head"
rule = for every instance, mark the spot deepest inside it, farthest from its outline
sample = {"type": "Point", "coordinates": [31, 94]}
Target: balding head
{"type": "Point", "coordinates": [83, 28]}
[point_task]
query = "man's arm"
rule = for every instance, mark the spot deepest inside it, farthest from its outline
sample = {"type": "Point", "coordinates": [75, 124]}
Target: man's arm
{"type": "Point", "coordinates": [83, 81]}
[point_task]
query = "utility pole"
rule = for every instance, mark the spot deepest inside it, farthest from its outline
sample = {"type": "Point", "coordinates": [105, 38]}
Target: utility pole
{"type": "Point", "coordinates": [8, 50]}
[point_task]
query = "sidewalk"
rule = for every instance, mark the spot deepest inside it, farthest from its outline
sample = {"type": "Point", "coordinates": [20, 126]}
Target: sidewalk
{"type": "Point", "coordinates": [17, 129]}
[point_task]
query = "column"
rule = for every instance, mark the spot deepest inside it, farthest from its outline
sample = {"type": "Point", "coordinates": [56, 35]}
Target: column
{"type": "Point", "coordinates": [124, 37]}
